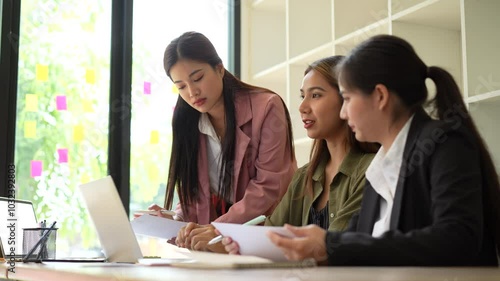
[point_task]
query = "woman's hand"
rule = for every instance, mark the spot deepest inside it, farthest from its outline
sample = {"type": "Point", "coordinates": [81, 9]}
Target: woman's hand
{"type": "Point", "coordinates": [196, 237]}
{"type": "Point", "coordinates": [158, 211]}
{"type": "Point", "coordinates": [230, 246]}
{"type": "Point", "coordinates": [155, 210]}
{"type": "Point", "coordinates": [183, 239]}
{"type": "Point", "coordinates": [308, 243]}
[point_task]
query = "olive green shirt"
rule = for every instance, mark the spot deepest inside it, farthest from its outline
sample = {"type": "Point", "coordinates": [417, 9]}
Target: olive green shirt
{"type": "Point", "coordinates": [346, 191]}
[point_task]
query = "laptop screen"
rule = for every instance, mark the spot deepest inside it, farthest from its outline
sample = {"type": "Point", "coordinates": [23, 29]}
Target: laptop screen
{"type": "Point", "coordinates": [11, 228]}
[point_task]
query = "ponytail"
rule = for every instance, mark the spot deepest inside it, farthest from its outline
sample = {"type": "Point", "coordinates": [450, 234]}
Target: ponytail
{"type": "Point", "coordinates": [449, 103]}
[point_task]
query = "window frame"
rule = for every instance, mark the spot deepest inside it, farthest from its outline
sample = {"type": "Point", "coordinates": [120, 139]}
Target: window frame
{"type": "Point", "coordinates": [120, 87]}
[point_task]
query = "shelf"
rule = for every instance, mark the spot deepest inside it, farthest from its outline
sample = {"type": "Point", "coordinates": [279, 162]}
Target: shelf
{"type": "Point", "coordinates": [398, 6]}
{"type": "Point", "coordinates": [302, 150]}
{"type": "Point", "coordinates": [310, 56]}
{"type": "Point", "coordinates": [486, 97]}
{"type": "Point", "coordinates": [352, 15]}
{"type": "Point", "coordinates": [273, 78]}
{"type": "Point", "coordinates": [486, 116]}
{"type": "Point", "coordinates": [482, 44]}
{"type": "Point", "coordinates": [294, 84]}
{"type": "Point", "coordinates": [269, 5]}
{"type": "Point", "coordinates": [261, 40]}
{"type": "Point", "coordinates": [435, 46]}
{"type": "Point", "coordinates": [308, 34]}
{"type": "Point", "coordinates": [345, 44]}
{"type": "Point", "coordinates": [443, 14]}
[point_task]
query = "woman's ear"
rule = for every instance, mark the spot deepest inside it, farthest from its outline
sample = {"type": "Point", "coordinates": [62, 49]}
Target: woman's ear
{"type": "Point", "coordinates": [220, 69]}
{"type": "Point", "coordinates": [381, 95]}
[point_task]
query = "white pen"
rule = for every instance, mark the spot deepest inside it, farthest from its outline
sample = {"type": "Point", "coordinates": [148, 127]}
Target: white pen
{"type": "Point", "coordinates": [254, 221]}
{"type": "Point", "coordinates": [152, 212]}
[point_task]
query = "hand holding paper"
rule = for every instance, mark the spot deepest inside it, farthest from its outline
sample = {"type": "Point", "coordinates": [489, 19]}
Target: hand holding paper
{"type": "Point", "coordinates": [253, 239]}
{"type": "Point", "coordinates": [155, 226]}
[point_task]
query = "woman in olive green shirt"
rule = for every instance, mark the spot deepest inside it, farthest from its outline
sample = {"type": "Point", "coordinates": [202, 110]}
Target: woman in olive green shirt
{"type": "Point", "coordinates": [328, 190]}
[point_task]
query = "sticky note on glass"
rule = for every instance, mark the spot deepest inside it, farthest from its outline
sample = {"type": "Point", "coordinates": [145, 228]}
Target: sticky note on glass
{"type": "Point", "coordinates": [62, 155]}
{"type": "Point", "coordinates": [155, 137]}
{"type": "Point", "coordinates": [154, 174]}
{"type": "Point", "coordinates": [61, 103]}
{"type": "Point", "coordinates": [85, 178]}
{"type": "Point", "coordinates": [175, 90]}
{"type": "Point", "coordinates": [90, 76]}
{"type": "Point", "coordinates": [31, 102]}
{"type": "Point", "coordinates": [30, 129]}
{"type": "Point", "coordinates": [36, 168]}
{"type": "Point", "coordinates": [42, 72]}
{"type": "Point", "coordinates": [78, 133]}
{"type": "Point", "coordinates": [147, 88]}
{"type": "Point", "coordinates": [87, 106]}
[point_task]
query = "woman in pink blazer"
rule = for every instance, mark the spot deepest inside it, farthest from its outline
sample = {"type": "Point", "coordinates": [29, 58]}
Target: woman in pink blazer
{"type": "Point", "coordinates": [232, 152]}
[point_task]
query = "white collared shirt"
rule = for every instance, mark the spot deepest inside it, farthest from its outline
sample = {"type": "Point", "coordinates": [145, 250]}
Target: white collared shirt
{"type": "Point", "coordinates": [383, 174]}
{"type": "Point", "coordinates": [214, 148]}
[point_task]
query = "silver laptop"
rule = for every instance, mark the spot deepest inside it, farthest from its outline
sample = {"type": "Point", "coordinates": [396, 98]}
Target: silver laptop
{"type": "Point", "coordinates": [23, 216]}
{"type": "Point", "coordinates": [113, 227]}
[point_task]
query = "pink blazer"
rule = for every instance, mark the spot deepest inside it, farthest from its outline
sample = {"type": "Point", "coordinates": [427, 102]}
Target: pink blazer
{"type": "Point", "coordinates": [263, 164]}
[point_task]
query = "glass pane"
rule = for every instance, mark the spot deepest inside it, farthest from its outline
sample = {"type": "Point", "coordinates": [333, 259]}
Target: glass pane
{"type": "Point", "coordinates": [62, 113]}
{"type": "Point", "coordinates": [1, 20]}
{"type": "Point", "coordinates": [156, 23]}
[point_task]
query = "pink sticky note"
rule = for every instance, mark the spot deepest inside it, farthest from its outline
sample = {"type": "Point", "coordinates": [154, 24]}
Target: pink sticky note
{"type": "Point", "coordinates": [147, 88]}
{"type": "Point", "coordinates": [63, 155]}
{"type": "Point", "coordinates": [61, 103]}
{"type": "Point", "coordinates": [36, 168]}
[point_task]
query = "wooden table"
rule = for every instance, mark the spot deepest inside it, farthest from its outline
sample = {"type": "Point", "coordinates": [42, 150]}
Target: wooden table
{"type": "Point", "coordinates": [77, 272]}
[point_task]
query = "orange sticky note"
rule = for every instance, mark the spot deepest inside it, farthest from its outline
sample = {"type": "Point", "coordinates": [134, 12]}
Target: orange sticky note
{"type": "Point", "coordinates": [31, 102]}
{"type": "Point", "coordinates": [30, 129]}
{"type": "Point", "coordinates": [87, 106]}
{"type": "Point", "coordinates": [155, 137]}
{"type": "Point", "coordinates": [90, 76]}
{"type": "Point", "coordinates": [42, 72]}
{"type": "Point", "coordinates": [78, 133]}
{"type": "Point", "coordinates": [175, 90]}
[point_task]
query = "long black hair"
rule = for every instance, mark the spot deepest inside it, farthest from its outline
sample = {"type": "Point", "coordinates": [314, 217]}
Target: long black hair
{"type": "Point", "coordinates": [392, 61]}
{"type": "Point", "coordinates": [326, 68]}
{"type": "Point", "coordinates": [183, 170]}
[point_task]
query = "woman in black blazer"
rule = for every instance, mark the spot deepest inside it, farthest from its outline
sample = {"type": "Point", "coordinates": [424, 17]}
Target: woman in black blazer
{"type": "Point", "coordinates": [432, 196]}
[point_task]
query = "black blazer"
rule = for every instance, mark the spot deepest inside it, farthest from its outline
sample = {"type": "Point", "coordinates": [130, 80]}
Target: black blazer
{"type": "Point", "coordinates": [437, 216]}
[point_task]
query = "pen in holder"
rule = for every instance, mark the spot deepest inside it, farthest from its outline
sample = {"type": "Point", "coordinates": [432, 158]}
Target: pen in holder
{"type": "Point", "coordinates": [39, 243]}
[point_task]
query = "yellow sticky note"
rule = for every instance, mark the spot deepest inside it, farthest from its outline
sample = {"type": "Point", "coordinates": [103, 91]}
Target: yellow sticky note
{"type": "Point", "coordinates": [30, 129]}
{"type": "Point", "coordinates": [78, 133]}
{"type": "Point", "coordinates": [175, 90]}
{"type": "Point", "coordinates": [87, 106]}
{"type": "Point", "coordinates": [154, 174]}
{"type": "Point", "coordinates": [155, 137]}
{"type": "Point", "coordinates": [42, 72]}
{"type": "Point", "coordinates": [90, 76]}
{"type": "Point", "coordinates": [31, 102]}
{"type": "Point", "coordinates": [85, 178]}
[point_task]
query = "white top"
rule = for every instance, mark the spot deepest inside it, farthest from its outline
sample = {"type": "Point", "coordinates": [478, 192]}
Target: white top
{"type": "Point", "coordinates": [383, 174]}
{"type": "Point", "coordinates": [214, 147]}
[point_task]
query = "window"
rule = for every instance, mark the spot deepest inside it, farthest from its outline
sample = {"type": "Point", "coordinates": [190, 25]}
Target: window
{"type": "Point", "coordinates": [62, 112]}
{"type": "Point", "coordinates": [156, 23]}
{"type": "Point", "coordinates": [62, 99]}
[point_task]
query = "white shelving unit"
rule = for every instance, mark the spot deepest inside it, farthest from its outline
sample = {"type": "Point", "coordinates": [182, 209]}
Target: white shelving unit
{"type": "Point", "coordinates": [281, 37]}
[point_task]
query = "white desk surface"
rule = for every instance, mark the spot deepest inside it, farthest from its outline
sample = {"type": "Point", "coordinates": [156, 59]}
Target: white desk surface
{"type": "Point", "coordinates": [77, 272]}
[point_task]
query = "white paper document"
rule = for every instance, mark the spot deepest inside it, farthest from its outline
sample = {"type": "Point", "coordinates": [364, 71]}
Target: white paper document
{"type": "Point", "coordinates": [253, 240]}
{"type": "Point", "coordinates": [156, 226]}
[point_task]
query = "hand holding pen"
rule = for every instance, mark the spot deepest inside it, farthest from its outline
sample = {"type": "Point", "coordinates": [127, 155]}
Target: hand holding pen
{"type": "Point", "coordinates": [254, 221]}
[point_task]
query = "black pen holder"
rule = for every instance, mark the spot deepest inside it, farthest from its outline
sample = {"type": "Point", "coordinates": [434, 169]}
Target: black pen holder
{"type": "Point", "coordinates": [46, 250]}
